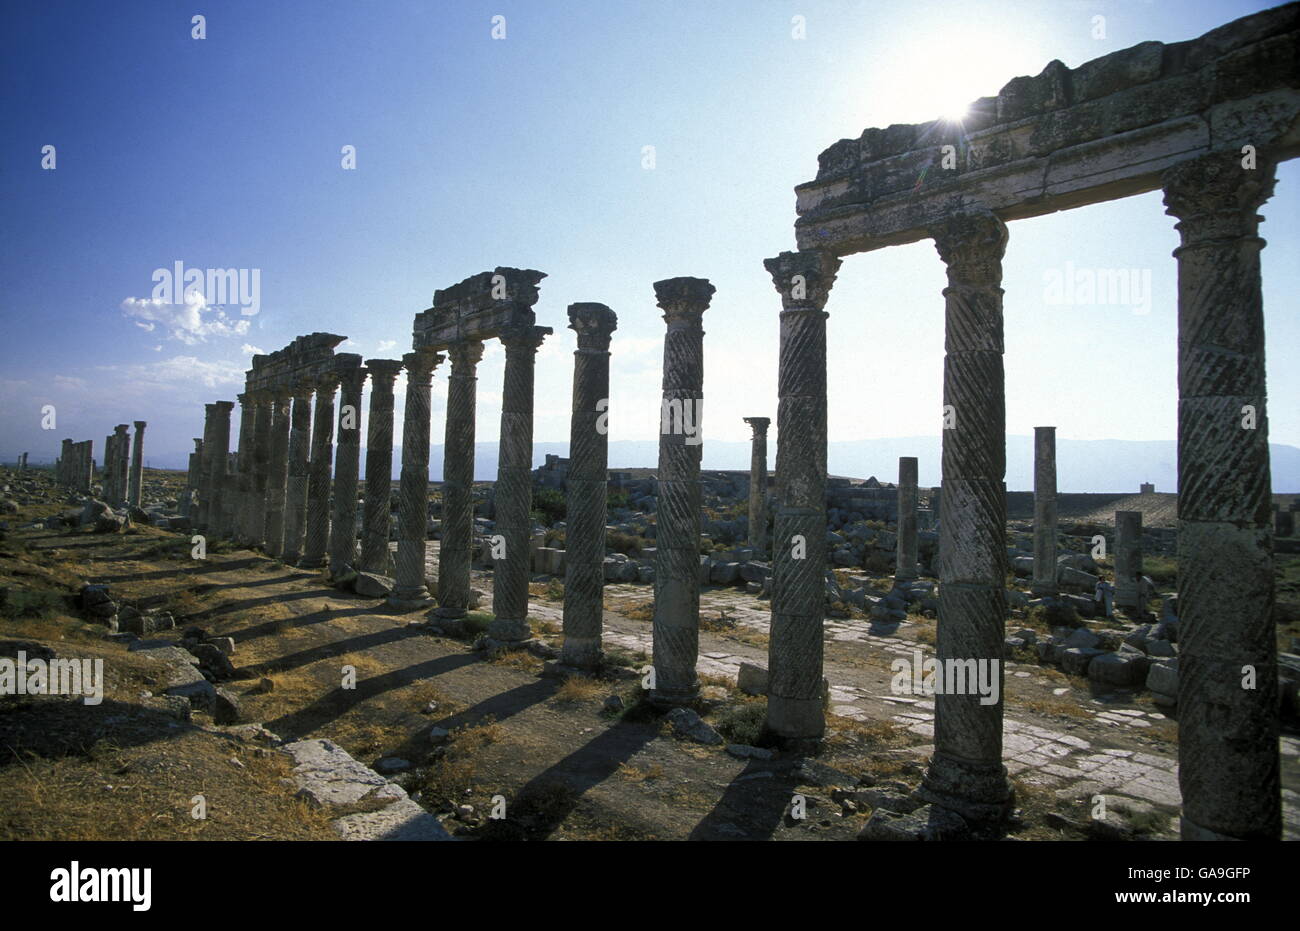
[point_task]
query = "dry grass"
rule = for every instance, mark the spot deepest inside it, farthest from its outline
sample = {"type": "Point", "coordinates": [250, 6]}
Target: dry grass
{"type": "Point", "coordinates": [579, 688]}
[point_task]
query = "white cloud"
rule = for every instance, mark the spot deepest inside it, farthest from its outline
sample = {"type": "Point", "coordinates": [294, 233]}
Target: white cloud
{"type": "Point", "coordinates": [387, 344]}
{"type": "Point", "coordinates": [190, 323]}
{"type": "Point", "coordinates": [251, 350]}
{"type": "Point", "coordinates": [181, 370]}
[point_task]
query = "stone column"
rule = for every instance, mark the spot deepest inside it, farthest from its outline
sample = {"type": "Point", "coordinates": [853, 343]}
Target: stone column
{"type": "Point", "coordinates": [188, 507]}
{"type": "Point", "coordinates": [379, 466]}
{"type": "Point", "coordinates": [794, 704]}
{"type": "Point", "coordinates": [677, 553]}
{"type": "Point", "coordinates": [458, 481]}
{"type": "Point", "coordinates": [758, 485]}
{"type": "Point", "coordinates": [513, 499]}
{"type": "Point", "coordinates": [295, 498]}
{"type": "Point", "coordinates": [137, 465]}
{"type": "Point", "coordinates": [259, 469]}
{"type": "Point", "coordinates": [243, 485]}
{"type": "Point", "coordinates": [106, 482]}
{"type": "Point", "coordinates": [63, 468]}
{"type": "Point", "coordinates": [343, 523]}
{"type": "Point", "coordinates": [219, 462]}
{"type": "Point", "coordinates": [318, 474]}
{"type": "Point", "coordinates": [1044, 581]}
{"type": "Point", "coordinates": [204, 480]}
{"type": "Point", "coordinates": [966, 774]}
{"type": "Point", "coordinates": [413, 491]}
{"type": "Point", "coordinates": [87, 466]}
{"type": "Point", "coordinates": [906, 569]}
{"type": "Point", "coordinates": [586, 488]}
{"type": "Point", "coordinates": [1128, 558]}
{"type": "Point", "coordinates": [121, 465]}
{"type": "Point", "coordinates": [1227, 733]}
{"type": "Point", "coordinates": [277, 478]}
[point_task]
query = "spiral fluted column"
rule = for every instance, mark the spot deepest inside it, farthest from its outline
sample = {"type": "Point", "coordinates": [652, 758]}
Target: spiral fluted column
{"type": "Point", "coordinates": [375, 530]}
{"type": "Point", "coordinates": [458, 481]}
{"type": "Point", "coordinates": [277, 478]}
{"type": "Point", "coordinates": [413, 491]}
{"type": "Point", "coordinates": [677, 543]}
{"type": "Point", "coordinates": [295, 499]}
{"type": "Point", "coordinates": [966, 774]}
{"type": "Point", "coordinates": [795, 649]}
{"type": "Point", "coordinates": [586, 487]}
{"type": "Point", "coordinates": [1227, 676]}
{"type": "Point", "coordinates": [347, 466]}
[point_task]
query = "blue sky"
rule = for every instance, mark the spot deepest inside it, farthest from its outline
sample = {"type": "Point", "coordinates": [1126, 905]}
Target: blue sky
{"type": "Point", "coordinates": [528, 151]}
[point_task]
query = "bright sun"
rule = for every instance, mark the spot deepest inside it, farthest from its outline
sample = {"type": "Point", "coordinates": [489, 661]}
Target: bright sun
{"type": "Point", "coordinates": [946, 73]}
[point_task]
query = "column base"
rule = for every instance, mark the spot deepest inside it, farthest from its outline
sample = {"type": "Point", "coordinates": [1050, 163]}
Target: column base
{"type": "Point", "coordinates": [450, 612]}
{"type": "Point", "coordinates": [979, 792]}
{"type": "Point", "coordinates": [410, 598]}
{"type": "Point", "coordinates": [582, 652]}
{"type": "Point", "coordinates": [1190, 830]}
{"type": "Point", "coordinates": [795, 718]}
{"type": "Point", "coordinates": [673, 698]}
{"type": "Point", "coordinates": [509, 629]}
{"type": "Point", "coordinates": [1044, 591]}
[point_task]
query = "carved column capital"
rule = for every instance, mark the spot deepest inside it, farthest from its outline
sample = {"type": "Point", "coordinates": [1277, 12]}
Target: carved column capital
{"type": "Point", "coordinates": [465, 356]}
{"type": "Point", "coordinates": [971, 243]}
{"type": "Point", "coordinates": [759, 425]}
{"type": "Point", "coordinates": [594, 324]}
{"type": "Point", "coordinates": [683, 300]}
{"type": "Point", "coordinates": [1214, 197]}
{"type": "Point", "coordinates": [803, 279]}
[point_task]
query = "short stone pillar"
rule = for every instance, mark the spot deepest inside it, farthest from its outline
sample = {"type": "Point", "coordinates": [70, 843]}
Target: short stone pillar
{"type": "Point", "coordinates": [413, 500]}
{"type": "Point", "coordinates": [188, 505]}
{"type": "Point", "coordinates": [62, 468]}
{"type": "Point", "coordinates": [794, 652]}
{"type": "Point", "coordinates": [906, 567]}
{"type": "Point", "coordinates": [376, 528]}
{"type": "Point", "coordinates": [318, 474]}
{"type": "Point", "coordinates": [758, 484]}
{"type": "Point", "coordinates": [1128, 559]}
{"type": "Point", "coordinates": [1227, 734]}
{"type": "Point", "coordinates": [347, 466]}
{"type": "Point", "coordinates": [676, 631]}
{"type": "Point", "coordinates": [121, 464]}
{"type": "Point", "coordinates": [1044, 580]}
{"type": "Point", "coordinates": [295, 500]}
{"type": "Point", "coordinates": [218, 451]}
{"type": "Point", "coordinates": [586, 487]}
{"type": "Point", "coordinates": [966, 774]}
{"type": "Point", "coordinates": [513, 500]}
{"type": "Point", "coordinates": [277, 476]}
{"type": "Point", "coordinates": [458, 481]}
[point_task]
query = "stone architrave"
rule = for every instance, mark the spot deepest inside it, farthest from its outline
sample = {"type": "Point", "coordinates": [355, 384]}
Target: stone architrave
{"type": "Point", "coordinates": [586, 487]}
{"type": "Point", "coordinates": [966, 774]}
{"type": "Point", "coordinates": [1228, 726]}
{"type": "Point", "coordinates": [794, 703]}
{"type": "Point", "coordinates": [676, 631]}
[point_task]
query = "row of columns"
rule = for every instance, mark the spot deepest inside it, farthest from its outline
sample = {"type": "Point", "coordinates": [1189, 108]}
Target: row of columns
{"type": "Point", "coordinates": [1228, 721]}
{"type": "Point", "coordinates": [76, 465]}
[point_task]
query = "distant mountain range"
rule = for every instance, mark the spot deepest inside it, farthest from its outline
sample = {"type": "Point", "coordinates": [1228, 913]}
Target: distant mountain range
{"type": "Point", "coordinates": [1082, 465]}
